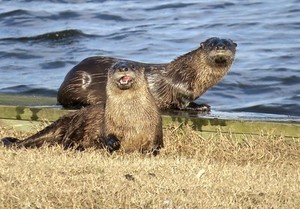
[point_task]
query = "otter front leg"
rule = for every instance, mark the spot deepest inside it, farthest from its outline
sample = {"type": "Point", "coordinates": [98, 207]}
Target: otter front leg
{"type": "Point", "coordinates": [187, 103]}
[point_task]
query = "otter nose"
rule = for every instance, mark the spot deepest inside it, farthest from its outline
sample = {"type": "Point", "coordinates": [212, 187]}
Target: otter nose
{"type": "Point", "coordinates": [123, 69]}
{"type": "Point", "coordinates": [221, 46]}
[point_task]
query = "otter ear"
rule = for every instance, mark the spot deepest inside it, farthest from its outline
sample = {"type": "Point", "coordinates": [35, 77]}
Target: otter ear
{"type": "Point", "coordinates": [235, 44]}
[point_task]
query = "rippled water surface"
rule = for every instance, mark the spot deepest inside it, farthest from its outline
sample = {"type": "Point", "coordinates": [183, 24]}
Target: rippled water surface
{"type": "Point", "coordinates": [40, 41]}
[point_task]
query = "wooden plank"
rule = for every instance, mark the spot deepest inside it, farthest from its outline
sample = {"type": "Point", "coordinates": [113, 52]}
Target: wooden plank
{"type": "Point", "coordinates": [237, 127]}
{"type": "Point", "coordinates": [31, 113]}
{"type": "Point", "coordinates": [19, 125]}
{"type": "Point", "coordinates": [22, 111]}
{"type": "Point", "coordinates": [19, 115]}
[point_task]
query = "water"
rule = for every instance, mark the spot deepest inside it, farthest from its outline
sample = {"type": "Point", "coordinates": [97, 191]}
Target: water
{"type": "Point", "coordinates": [41, 41]}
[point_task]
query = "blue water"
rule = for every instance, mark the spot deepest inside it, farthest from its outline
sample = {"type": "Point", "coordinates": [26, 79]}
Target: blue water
{"type": "Point", "coordinates": [40, 41]}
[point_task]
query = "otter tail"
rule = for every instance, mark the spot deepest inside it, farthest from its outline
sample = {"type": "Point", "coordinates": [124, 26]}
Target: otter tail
{"type": "Point", "coordinates": [9, 141]}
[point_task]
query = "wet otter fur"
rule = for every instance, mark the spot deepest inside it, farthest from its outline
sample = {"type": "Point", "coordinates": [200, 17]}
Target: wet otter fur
{"type": "Point", "coordinates": [174, 85]}
{"type": "Point", "coordinates": [130, 120]}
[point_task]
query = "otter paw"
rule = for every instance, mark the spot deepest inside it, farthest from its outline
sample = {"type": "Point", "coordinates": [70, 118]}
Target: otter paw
{"type": "Point", "coordinates": [112, 143]}
{"type": "Point", "coordinates": [198, 107]}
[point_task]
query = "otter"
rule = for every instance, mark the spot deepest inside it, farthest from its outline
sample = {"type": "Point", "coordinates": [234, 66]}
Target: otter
{"type": "Point", "coordinates": [131, 114]}
{"type": "Point", "coordinates": [129, 121]}
{"type": "Point", "coordinates": [174, 85]}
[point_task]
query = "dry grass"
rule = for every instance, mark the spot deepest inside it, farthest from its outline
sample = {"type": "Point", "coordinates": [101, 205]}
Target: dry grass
{"type": "Point", "coordinates": [192, 171]}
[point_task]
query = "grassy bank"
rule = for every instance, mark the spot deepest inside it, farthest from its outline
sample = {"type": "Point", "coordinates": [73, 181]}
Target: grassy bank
{"type": "Point", "coordinates": [192, 171]}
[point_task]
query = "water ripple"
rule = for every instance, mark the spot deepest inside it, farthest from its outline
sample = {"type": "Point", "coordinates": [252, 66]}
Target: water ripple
{"type": "Point", "coordinates": [40, 41]}
{"type": "Point", "coordinates": [57, 35]}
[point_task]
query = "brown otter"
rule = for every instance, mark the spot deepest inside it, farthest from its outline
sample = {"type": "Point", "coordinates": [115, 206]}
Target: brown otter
{"type": "Point", "coordinates": [131, 113]}
{"type": "Point", "coordinates": [173, 85]}
{"type": "Point", "coordinates": [130, 119]}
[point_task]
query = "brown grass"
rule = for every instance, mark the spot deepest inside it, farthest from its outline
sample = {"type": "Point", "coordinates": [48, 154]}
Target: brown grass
{"type": "Point", "coordinates": [193, 171]}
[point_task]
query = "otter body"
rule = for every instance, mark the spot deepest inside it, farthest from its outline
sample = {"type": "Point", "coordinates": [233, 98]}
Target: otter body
{"type": "Point", "coordinates": [174, 85]}
{"type": "Point", "coordinates": [138, 124]}
{"type": "Point", "coordinates": [130, 120]}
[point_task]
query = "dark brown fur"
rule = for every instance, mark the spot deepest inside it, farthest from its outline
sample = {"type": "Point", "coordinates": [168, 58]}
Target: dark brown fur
{"type": "Point", "coordinates": [130, 118]}
{"type": "Point", "coordinates": [173, 85]}
{"type": "Point", "coordinates": [80, 130]}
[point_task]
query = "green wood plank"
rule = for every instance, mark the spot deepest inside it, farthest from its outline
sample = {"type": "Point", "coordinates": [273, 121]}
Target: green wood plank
{"type": "Point", "coordinates": [19, 125]}
{"type": "Point", "coordinates": [203, 124]}
{"type": "Point", "coordinates": [237, 127]}
{"type": "Point", "coordinates": [31, 113]}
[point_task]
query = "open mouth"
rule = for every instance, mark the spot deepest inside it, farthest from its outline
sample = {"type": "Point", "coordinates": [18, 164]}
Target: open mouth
{"type": "Point", "coordinates": [220, 59]}
{"type": "Point", "coordinates": [125, 80]}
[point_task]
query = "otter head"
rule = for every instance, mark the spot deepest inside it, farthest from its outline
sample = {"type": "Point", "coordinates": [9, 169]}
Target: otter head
{"type": "Point", "coordinates": [220, 52]}
{"type": "Point", "coordinates": [124, 74]}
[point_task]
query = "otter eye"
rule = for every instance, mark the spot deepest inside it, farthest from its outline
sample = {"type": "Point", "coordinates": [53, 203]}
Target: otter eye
{"type": "Point", "coordinates": [132, 66]}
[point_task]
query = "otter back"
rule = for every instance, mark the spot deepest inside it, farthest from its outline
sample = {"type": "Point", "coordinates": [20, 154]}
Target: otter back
{"type": "Point", "coordinates": [174, 85]}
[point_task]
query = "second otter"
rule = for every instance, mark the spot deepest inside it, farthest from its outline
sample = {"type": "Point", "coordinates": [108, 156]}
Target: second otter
{"type": "Point", "coordinates": [130, 119]}
{"type": "Point", "coordinates": [174, 85]}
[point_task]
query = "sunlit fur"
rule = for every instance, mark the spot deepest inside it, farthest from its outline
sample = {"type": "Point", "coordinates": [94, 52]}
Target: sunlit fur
{"type": "Point", "coordinates": [130, 116]}
{"type": "Point", "coordinates": [190, 75]}
{"type": "Point", "coordinates": [138, 124]}
{"type": "Point", "coordinates": [173, 85]}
